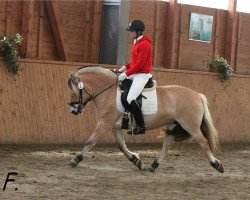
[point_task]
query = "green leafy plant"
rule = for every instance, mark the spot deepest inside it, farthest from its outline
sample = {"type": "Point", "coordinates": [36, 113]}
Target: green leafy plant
{"type": "Point", "coordinates": [223, 68]}
{"type": "Point", "coordinates": [9, 52]}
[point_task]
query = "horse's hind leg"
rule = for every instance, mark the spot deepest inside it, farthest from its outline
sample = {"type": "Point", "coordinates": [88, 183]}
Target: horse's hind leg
{"type": "Point", "coordinates": [133, 157]}
{"type": "Point", "coordinates": [203, 142]}
{"type": "Point", "coordinates": [167, 143]}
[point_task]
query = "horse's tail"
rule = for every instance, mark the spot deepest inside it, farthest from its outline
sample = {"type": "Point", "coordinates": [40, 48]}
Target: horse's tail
{"type": "Point", "coordinates": [207, 127]}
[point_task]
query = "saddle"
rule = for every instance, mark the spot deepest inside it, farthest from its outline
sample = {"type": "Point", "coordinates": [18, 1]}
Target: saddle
{"type": "Point", "coordinates": [147, 100]}
{"type": "Point", "coordinates": [125, 86]}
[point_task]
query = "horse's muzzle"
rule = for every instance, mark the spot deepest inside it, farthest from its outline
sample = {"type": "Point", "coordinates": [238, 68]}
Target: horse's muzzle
{"type": "Point", "coordinates": [76, 108]}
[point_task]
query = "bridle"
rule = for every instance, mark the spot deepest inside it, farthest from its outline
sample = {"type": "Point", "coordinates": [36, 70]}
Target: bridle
{"type": "Point", "coordinates": [79, 106]}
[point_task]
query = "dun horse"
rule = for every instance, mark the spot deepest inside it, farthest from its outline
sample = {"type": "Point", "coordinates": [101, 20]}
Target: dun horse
{"type": "Point", "coordinates": [175, 104]}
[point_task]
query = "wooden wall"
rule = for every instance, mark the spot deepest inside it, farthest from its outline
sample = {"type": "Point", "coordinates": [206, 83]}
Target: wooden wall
{"type": "Point", "coordinates": [33, 105]}
{"type": "Point", "coordinates": [54, 30]}
{"type": "Point", "coordinates": [70, 30]}
{"type": "Point", "coordinates": [243, 44]}
{"type": "Point", "coordinates": [186, 54]}
{"type": "Point", "coordinates": [196, 55]}
{"type": "Point", "coordinates": [154, 15]}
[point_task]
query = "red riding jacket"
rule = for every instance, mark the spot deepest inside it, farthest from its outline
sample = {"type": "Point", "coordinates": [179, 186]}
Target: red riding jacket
{"type": "Point", "coordinates": [141, 61]}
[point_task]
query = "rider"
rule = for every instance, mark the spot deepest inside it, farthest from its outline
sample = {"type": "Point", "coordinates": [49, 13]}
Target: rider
{"type": "Point", "coordinates": [138, 69]}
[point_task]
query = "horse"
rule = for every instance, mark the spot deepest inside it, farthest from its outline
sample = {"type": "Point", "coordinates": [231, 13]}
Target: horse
{"type": "Point", "coordinates": [175, 104]}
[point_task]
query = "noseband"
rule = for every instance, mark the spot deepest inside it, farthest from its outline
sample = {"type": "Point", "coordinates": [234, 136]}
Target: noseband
{"type": "Point", "coordinates": [79, 106]}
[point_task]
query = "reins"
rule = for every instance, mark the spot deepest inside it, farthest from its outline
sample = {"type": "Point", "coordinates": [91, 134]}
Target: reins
{"type": "Point", "coordinates": [92, 98]}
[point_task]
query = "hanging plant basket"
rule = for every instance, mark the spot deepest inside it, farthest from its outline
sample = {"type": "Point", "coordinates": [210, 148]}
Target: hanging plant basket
{"type": "Point", "coordinates": [8, 51]}
{"type": "Point", "coordinates": [221, 66]}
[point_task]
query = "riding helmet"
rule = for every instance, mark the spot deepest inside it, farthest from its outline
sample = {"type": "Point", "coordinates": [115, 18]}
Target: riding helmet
{"type": "Point", "coordinates": [136, 25]}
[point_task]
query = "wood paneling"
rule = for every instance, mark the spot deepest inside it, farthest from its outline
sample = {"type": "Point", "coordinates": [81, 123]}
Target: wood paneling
{"type": "Point", "coordinates": [33, 105]}
{"type": "Point", "coordinates": [70, 29]}
{"type": "Point", "coordinates": [243, 45]}
{"type": "Point", "coordinates": [79, 24]}
{"type": "Point", "coordinates": [231, 37]}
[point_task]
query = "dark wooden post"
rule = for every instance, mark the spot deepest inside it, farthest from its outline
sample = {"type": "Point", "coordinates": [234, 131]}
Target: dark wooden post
{"type": "Point", "coordinates": [96, 32]}
{"type": "Point", "coordinates": [172, 34]}
{"type": "Point", "coordinates": [27, 28]}
{"type": "Point", "coordinates": [40, 29]}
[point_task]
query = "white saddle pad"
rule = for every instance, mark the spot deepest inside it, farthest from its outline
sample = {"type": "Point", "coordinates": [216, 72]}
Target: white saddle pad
{"type": "Point", "coordinates": [149, 105]}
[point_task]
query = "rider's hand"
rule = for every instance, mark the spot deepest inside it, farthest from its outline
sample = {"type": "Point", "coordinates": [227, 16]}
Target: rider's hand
{"type": "Point", "coordinates": [122, 69]}
{"type": "Point", "coordinates": [122, 77]}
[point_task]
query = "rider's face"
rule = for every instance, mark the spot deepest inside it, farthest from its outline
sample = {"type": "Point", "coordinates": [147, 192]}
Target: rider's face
{"type": "Point", "coordinates": [132, 34]}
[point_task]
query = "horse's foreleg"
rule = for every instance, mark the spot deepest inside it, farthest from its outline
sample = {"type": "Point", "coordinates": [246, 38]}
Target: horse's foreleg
{"type": "Point", "coordinates": [167, 143]}
{"type": "Point", "coordinates": [89, 144]}
{"type": "Point", "coordinates": [133, 157]}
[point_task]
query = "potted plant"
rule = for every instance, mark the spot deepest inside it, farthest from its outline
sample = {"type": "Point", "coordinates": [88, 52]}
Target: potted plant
{"type": "Point", "coordinates": [8, 51]}
{"type": "Point", "coordinates": [221, 66]}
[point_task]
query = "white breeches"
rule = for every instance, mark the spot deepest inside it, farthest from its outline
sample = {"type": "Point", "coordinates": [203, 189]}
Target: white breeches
{"type": "Point", "coordinates": [138, 84]}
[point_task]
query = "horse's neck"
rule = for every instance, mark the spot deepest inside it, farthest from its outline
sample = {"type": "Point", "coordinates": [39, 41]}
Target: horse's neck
{"type": "Point", "coordinates": [97, 81]}
{"type": "Point", "coordinates": [104, 89]}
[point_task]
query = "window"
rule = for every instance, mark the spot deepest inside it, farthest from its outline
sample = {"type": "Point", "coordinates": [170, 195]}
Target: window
{"type": "Point", "coordinates": [221, 4]}
{"type": "Point", "coordinates": [243, 6]}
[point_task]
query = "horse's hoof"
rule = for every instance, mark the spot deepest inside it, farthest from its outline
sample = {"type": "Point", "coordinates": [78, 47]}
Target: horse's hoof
{"type": "Point", "coordinates": [136, 160]}
{"type": "Point", "coordinates": [73, 163]}
{"type": "Point", "coordinates": [218, 166]}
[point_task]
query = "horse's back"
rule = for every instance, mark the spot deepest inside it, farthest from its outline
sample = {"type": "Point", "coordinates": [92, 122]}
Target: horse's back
{"type": "Point", "coordinates": [177, 88]}
{"type": "Point", "coordinates": [175, 92]}
{"type": "Point", "coordinates": [175, 98]}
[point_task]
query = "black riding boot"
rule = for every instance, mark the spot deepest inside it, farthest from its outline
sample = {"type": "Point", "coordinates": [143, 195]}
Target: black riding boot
{"type": "Point", "coordinates": [137, 113]}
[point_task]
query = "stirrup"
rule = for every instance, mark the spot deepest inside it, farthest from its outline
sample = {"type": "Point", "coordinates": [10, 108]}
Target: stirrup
{"type": "Point", "coordinates": [138, 130]}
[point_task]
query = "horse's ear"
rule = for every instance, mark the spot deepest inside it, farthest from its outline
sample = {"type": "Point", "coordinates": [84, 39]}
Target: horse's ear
{"type": "Point", "coordinates": [73, 74]}
{"type": "Point", "coordinates": [74, 77]}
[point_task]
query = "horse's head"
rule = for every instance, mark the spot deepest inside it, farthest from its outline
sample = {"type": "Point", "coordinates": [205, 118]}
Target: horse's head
{"type": "Point", "coordinates": [78, 101]}
{"type": "Point", "coordinates": [87, 83]}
